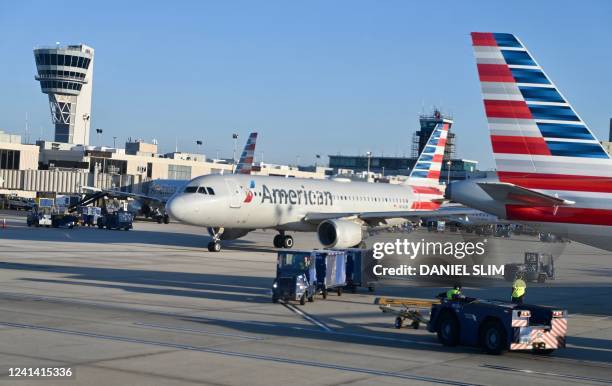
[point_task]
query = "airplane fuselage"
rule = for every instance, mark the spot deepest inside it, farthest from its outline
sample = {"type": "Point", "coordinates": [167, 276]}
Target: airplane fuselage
{"type": "Point", "coordinates": [259, 202]}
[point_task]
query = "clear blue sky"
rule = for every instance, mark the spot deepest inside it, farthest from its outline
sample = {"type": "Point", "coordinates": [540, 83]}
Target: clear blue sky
{"type": "Point", "coordinates": [312, 77]}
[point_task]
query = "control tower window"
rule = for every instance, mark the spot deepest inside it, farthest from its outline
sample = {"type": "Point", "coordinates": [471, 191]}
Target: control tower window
{"type": "Point", "coordinates": [53, 60]}
{"type": "Point", "coordinates": [80, 62]}
{"type": "Point", "coordinates": [86, 63]}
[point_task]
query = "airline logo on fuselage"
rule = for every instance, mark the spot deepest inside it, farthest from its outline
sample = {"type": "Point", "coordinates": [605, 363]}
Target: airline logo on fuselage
{"type": "Point", "coordinates": [296, 196]}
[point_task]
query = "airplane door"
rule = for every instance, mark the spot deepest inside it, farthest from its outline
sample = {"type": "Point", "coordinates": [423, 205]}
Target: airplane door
{"type": "Point", "coordinates": [235, 191]}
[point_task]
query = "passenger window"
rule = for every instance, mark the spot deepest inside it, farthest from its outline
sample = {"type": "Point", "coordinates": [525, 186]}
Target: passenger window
{"type": "Point", "coordinates": [202, 190]}
{"type": "Point", "coordinates": [210, 191]}
{"type": "Point", "coordinates": [191, 189]}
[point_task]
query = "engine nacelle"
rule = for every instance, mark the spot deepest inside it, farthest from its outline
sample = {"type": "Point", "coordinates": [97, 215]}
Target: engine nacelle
{"type": "Point", "coordinates": [339, 233]}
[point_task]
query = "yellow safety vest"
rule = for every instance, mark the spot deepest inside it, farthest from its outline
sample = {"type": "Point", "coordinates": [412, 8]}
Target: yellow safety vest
{"type": "Point", "coordinates": [518, 288]}
{"type": "Point", "coordinates": [450, 294]}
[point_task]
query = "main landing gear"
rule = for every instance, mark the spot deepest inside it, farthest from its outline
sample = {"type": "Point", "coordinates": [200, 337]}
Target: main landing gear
{"type": "Point", "coordinates": [283, 241]}
{"type": "Point", "coordinates": [215, 244]}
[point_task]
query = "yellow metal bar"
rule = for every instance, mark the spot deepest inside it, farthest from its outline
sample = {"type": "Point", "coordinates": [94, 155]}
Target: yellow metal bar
{"type": "Point", "coordinates": [406, 302]}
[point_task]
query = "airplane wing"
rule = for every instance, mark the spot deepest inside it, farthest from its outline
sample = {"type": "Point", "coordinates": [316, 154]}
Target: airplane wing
{"type": "Point", "coordinates": [508, 193]}
{"type": "Point", "coordinates": [380, 217]}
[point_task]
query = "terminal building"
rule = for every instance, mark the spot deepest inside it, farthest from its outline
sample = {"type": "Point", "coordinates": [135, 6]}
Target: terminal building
{"type": "Point", "coordinates": [452, 167]}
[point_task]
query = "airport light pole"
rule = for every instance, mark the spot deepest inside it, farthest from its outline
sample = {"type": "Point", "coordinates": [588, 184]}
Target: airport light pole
{"type": "Point", "coordinates": [369, 154]}
{"type": "Point", "coordinates": [114, 142]}
{"type": "Point", "coordinates": [448, 163]}
{"type": "Point", "coordinates": [99, 131]}
{"type": "Point", "coordinates": [235, 138]}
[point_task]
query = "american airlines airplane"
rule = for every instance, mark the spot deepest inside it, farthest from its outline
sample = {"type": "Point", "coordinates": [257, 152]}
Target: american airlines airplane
{"type": "Point", "coordinates": [552, 173]}
{"type": "Point", "coordinates": [230, 206]}
{"type": "Point", "coordinates": [160, 190]}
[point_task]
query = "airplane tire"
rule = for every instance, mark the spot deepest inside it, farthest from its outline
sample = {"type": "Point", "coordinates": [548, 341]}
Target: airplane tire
{"type": "Point", "coordinates": [288, 242]}
{"type": "Point", "coordinates": [278, 241]}
{"type": "Point", "coordinates": [214, 246]}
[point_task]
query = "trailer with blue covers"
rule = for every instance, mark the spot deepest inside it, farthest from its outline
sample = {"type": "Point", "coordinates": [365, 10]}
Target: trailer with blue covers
{"type": "Point", "coordinates": [331, 271]}
{"type": "Point", "coordinates": [356, 262]}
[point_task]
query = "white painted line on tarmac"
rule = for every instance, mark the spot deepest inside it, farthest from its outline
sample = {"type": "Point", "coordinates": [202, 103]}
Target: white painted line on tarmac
{"type": "Point", "coordinates": [535, 372]}
{"type": "Point", "coordinates": [199, 331]}
{"type": "Point", "coordinates": [308, 317]}
{"type": "Point", "coordinates": [361, 370]}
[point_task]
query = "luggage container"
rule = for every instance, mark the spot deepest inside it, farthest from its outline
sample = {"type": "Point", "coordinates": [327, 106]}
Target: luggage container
{"type": "Point", "coordinates": [331, 270]}
{"type": "Point", "coordinates": [356, 260]}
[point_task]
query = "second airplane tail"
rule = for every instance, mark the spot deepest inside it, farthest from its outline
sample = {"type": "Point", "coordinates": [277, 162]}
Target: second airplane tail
{"type": "Point", "coordinates": [538, 140]}
{"type": "Point", "coordinates": [245, 164]}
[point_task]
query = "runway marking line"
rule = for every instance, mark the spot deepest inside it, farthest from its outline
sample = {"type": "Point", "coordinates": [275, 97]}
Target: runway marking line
{"type": "Point", "coordinates": [535, 372]}
{"type": "Point", "coordinates": [300, 362]}
{"type": "Point", "coordinates": [205, 332]}
{"type": "Point", "coordinates": [304, 315]}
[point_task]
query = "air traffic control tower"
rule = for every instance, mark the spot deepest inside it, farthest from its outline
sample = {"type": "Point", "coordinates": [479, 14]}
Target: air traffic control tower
{"type": "Point", "coordinates": [65, 75]}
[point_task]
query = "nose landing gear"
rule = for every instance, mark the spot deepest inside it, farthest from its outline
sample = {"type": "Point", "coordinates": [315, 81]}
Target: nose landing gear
{"type": "Point", "coordinates": [283, 241]}
{"type": "Point", "coordinates": [215, 244]}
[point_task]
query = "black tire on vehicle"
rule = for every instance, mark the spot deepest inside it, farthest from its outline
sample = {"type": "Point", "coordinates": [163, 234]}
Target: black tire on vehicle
{"type": "Point", "coordinates": [324, 293]}
{"type": "Point", "coordinates": [493, 337]}
{"type": "Point", "coordinates": [415, 325]}
{"type": "Point", "coordinates": [303, 300]}
{"type": "Point", "coordinates": [547, 351]}
{"type": "Point", "coordinates": [398, 322]}
{"type": "Point", "coordinates": [311, 298]}
{"type": "Point", "coordinates": [541, 278]}
{"type": "Point", "coordinates": [274, 299]}
{"type": "Point", "coordinates": [339, 291]}
{"type": "Point", "coordinates": [448, 329]}
{"type": "Point", "coordinates": [166, 219]}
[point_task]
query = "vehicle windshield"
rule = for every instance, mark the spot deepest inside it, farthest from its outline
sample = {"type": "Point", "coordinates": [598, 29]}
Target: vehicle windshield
{"type": "Point", "coordinates": [294, 261]}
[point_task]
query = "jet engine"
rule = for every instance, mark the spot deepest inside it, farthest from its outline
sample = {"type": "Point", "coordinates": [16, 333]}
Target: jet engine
{"type": "Point", "coordinates": [339, 233]}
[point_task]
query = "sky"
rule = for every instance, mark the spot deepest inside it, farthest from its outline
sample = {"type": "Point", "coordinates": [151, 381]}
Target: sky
{"type": "Point", "coordinates": [312, 77]}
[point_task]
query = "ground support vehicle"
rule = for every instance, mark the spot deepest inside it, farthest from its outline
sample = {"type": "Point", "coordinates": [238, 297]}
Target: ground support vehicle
{"type": "Point", "coordinates": [296, 277]}
{"type": "Point", "coordinates": [116, 220]}
{"type": "Point", "coordinates": [537, 267]}
{"type": "Point", "coordinates": [497, 326]}
{"type": "Point", "coordinates": [412, 309]}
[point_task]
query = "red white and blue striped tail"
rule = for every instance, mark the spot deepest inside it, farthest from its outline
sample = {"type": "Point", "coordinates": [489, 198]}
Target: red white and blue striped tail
{"type": "Point", "coordinates": [538, 140]}
{"type": "Point", "coordinates": [426, 171]}
{"type": "Point", "coordinates": [245, 164]}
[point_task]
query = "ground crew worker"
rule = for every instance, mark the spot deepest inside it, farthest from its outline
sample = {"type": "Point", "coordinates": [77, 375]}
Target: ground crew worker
{"type": "Point", "coordinates": [518, 291]}
{"type": "Point", "coordinates": [454, 293]}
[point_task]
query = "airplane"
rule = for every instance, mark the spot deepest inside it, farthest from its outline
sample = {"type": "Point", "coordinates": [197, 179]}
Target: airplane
{"type": "Point", "coordinates": [160, 190]}
{"type": "Point", "coordinates": [552, 173]}
{"type": "Point", "coordinates": [230, 206]}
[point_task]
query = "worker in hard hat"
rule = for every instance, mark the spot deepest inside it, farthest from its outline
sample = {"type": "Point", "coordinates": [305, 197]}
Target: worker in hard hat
{"type": "Point", "coordinates": [519, 287]}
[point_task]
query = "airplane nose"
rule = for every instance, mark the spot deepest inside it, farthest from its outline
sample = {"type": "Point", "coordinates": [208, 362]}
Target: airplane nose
{"type": "Point", "coordinates": [174, 208]}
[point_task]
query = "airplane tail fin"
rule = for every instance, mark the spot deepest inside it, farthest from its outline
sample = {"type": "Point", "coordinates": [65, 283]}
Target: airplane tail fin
{"type": "Point", "coordinates": [245, 164]}
{"type": "Point", "coordinates": [426, 171]}
{"type": "Point", "coordinates": [535, 132]}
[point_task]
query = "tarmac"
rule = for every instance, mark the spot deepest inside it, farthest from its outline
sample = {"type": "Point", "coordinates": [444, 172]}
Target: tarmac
{"type": "Point", "coordinates": [152, 306]}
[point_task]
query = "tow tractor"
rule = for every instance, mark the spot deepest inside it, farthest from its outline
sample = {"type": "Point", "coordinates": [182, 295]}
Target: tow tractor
{"type": "Point", "coordinates": [116, 220]}
{"type": "Point", "coordinates": [494, 325]}
{"type": "Point", "coordinates": [538, 266]}
{"type": "Point", "coordinates": [296, 277]}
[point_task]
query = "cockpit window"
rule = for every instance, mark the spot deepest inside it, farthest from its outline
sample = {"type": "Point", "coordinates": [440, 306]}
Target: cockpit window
{"type": "Point", "coordinates": [191, 189]}
{"type": "Point", "coordinates": [211, 191]}
{"type": "Point", "coordinates": [202, 190]}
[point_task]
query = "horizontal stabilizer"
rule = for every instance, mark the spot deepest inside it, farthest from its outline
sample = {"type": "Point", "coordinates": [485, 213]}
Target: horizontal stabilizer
{"type": "Point", "coordinates": [508, 193]}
